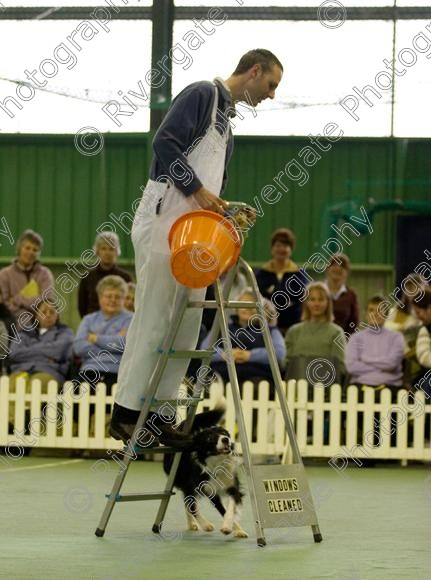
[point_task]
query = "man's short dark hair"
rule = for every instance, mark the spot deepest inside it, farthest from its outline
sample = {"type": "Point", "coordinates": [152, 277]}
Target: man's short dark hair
{"type": "Point", "coordinates": [376, 299]}
{"type": "Point", "coordinates": [425, 300]}
{"type": "Point", "coordinates": [257, 56]}
{"type": "Point", "coordinates": [340, 260]}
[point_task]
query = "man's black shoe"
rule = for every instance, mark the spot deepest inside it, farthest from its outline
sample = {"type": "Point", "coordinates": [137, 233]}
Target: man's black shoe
{"type": "Point", "coordinates": [156, 430]}
{"type": "Point", "coordinates": [124, 431]}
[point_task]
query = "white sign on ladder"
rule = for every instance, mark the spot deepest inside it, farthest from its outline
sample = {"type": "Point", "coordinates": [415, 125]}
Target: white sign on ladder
{"type": "Point", "coordinates": [283, 496]}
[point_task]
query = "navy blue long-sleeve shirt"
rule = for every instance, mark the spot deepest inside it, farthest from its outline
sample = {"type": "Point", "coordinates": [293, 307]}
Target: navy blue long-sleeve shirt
{"type": "Point", "coordinates": [50, 352]}
{"type": "Point", "coordinates": [269, 283]}
{"type": "Point", "coordinates": [188, 120]}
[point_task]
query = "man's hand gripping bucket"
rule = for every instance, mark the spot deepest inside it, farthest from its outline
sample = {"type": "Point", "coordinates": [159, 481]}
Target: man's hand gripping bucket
{"type": "Point", "coordinates": [204, 245]}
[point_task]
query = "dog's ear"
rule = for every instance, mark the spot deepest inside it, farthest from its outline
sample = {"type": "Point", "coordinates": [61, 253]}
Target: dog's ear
{"type": "Point", "coordinates": [221, 404]}
{"type": "Point", "coordinates": [207, 419]}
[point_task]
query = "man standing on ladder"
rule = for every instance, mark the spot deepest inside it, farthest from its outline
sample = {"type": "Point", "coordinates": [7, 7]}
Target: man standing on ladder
{"type": "Point", "coordinates": [192, 148]}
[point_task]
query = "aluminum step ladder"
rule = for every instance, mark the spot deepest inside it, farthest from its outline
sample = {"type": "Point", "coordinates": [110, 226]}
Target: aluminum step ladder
{"type": "Point", "coordinates": [279, 494]}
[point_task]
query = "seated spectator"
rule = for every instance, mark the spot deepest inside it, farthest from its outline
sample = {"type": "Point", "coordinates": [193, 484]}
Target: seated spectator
{"type": "Point", "coordinates": [249, 352]}
{"type": "Point", "coordinates": [344, 299]}
{"type": "Point", "coordinates": [239, 284]}
{"type": "Point", "coordinates": [276, 275]}
{"type": "Point", "coordinates": [25, 280]}
{"type": "Point", "coordinates": [195, 364]}
{"type": "Point", "coordinates": [6, 321]}
{"type": "Point", "coordinates": [107, 248]}
{"type": "Point", "coordinates": [129, 303]}
{"type": "Point", "coordinates": [423, 343]}
{"type": "Point", "coordinates": [403, 318]}
{"type": "Point", "coordinates": [99, 342]}
{"type": "Point", "coordinates": [374, 356]}
{"type": "Point", "coordinates": [4, 341]}
{"type": "Point", "coordinates": [316, 336]}
{"type": "Point", "coordinates": [43, 353]}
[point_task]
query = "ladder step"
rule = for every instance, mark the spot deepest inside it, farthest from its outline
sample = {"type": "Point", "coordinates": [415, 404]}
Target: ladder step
{"type": "Point", "coordinates": [191, 353]}
{"type": "Point", "coordinates": [161, 449]}
{"type": "Point", "coordinates": [212, 304]}
{"type": "Point", "coordinates": [144, 450]}
{"type": "Point", "coordinates": [182, 401]}
{"type": "Point", "coordinates": [141, 496]}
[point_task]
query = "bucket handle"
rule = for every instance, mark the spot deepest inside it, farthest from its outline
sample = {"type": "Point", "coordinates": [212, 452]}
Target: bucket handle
{"type": "Point", "coordinates": [243, 215]}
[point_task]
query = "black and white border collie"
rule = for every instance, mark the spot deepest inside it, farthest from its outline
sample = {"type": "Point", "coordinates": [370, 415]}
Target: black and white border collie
{"type": "Point", "coordinates": [210, 469]}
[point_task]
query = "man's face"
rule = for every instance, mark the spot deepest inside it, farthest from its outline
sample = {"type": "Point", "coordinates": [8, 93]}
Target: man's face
{"type": "Point", "coordinates": [262, 85]}
{"type": "Point", "coordinates": [337, 274]}
{"type": "Point", "coordinates": [424, 314]}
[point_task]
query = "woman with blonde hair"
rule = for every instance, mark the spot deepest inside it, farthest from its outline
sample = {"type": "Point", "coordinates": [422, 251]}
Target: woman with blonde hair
{"type": "Point", "coordinates": [316, 337]}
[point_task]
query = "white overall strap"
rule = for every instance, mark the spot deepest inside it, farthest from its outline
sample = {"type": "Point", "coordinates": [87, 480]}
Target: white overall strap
{"type": "Point", "coordinates": [226, 134]}
{"type": "Point", "coordinates": [215, 105]}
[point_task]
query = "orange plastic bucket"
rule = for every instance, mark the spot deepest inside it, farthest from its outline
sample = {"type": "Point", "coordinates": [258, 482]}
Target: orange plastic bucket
{"type": "Point", "coordinates": [203, 245]}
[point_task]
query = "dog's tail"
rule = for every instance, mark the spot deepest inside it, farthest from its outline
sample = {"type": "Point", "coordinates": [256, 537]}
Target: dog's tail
{"type": "Point", "coordinates": [212, 417]}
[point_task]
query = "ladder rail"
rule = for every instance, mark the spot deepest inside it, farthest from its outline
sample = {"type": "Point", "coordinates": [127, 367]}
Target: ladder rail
{"type": "Point", "coordinates": [240, 418]}
{"type": "Point", "coordinates": [275, 369]}
{"type": "Point", "coordinates": [118, 482]}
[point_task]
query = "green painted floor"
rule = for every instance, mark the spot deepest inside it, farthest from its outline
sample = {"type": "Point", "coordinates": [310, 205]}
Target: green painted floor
{"type": "Point", "coordinates": [375, 524]}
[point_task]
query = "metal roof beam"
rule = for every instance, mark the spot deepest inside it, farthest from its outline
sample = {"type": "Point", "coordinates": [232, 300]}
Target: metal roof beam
{"type": "Point", "coordinates": [233, 13]}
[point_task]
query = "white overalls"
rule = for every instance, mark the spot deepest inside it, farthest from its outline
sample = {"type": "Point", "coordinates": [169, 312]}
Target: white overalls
{"type": "Point", "coordinates": [156, 287]}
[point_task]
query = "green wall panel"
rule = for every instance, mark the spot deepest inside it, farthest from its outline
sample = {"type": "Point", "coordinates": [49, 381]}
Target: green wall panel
{"type": "Point", "coordinates": [352, 169]}
{"type": "Point", "coordinates": [46, 184]}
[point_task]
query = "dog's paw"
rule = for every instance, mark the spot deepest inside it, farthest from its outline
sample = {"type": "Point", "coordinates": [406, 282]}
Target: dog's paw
{"type": "Point", "coordinates": [208, 527]}
{"type": "Point", "coordinates": [225, 530]}
{"type": "Point", "coordinates": [240, 533]}
{"type": "Point", "coordinates": [193, 527]}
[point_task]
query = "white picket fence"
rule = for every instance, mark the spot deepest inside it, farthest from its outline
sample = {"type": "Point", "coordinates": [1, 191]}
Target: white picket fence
{"type": "Point", "coordinates": [324, 428]}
